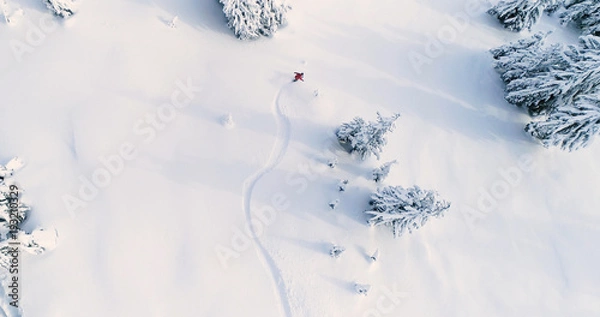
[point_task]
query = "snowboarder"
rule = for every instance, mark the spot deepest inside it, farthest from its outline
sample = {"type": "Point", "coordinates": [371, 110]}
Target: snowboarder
{"type": "Point", "coordinates": [298, 76]}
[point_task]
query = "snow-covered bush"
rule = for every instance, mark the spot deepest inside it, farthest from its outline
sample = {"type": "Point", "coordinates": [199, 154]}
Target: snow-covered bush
{"type": "Point", "coordinates": [366, 138]}
{"type": "Point", "coordinates": [174, 22]}
{"type": "Point", "coordinates": [272, 15]}
{"type": "Point", "coordinates": [13, 214]}
{"type": "Point", "coordinates": [569, 127]}
{"type": "Point", "coordinates": [405, 209]}
{"type": "Point", "coordinates": [62, 8]}
{"type": "Point", "coordinates": [516, 15]}
{"type": "Point", "coordinates": [521, 58]}
{"type": "Point", "coordinates": [585, 14]}
{"type": "Point", "coordinates": [250, 19]}
{"type": "Point", "coordinates": [332, 162]}
{"type": "Point", "coordinates": [336, 251]}
{"type": "Point", "coordinates": [381, 173]}
{"type": "Point", "coordinates": [227, 121]}
{"type": "Point", "coordinates": [342, 185]}
{"type": "Point", "coordinates": [362, 289]}
{"type": "Point", "coordinates": [334, 203]}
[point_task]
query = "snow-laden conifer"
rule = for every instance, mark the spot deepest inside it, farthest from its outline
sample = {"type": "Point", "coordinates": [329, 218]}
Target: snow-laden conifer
{"type": "Point", "coordinates": [250, 19]}
{"type": "Point", "coordinates": [517, 15]}
{"type": "Point", "coordinates": [366, 138]}
{"type": "Point", "coordinates": [405, 209]}
{"type": "Point", "coordinates": [571, 126]}
{"type": "Point", "coordinates": [585, 14]}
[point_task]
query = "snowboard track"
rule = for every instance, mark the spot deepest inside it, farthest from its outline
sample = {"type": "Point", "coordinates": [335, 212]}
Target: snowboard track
{"type": "Point", "coordinates": [278, 151]}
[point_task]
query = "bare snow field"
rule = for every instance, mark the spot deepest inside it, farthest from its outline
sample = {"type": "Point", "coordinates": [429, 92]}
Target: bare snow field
{"type": "Point", "coordinates": [198, 141]}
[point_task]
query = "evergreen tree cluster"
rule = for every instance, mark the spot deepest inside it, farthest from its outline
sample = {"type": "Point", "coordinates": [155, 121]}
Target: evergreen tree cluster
{"type": "Point", "coordinates": [250, 19]}
{"type": "Point", "coordinates": [559, 82]}
{"type": "Point", "coordinates": [393, 206]}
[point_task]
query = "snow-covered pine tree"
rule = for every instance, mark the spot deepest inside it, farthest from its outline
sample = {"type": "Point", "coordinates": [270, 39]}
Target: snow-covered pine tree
{"type": "Point", "coordinates": [332, 162]}
{"type": "Point", "coordinates": [243, 18]}
{"type": "Point", "coordinates": [380, 130]}
{"type": "Point", "coordinates": [250, 19]}
{"type": "Point", "coordinates": [272, 15]}
{"type": "Point", "coordinates": [542, 78]}
{"type": "Point", "coordinates": [570, 127]}
{"type": "Point", "coordinates": [405, 209]}
{"type": "Point", "coordinates": [585, 14]}
{"type": "Point", "coordinates": [352, 135]}
{"type": "Point", "coordinates": [524, 57]}
{"type": "Point", "coordinates": [381, 173]}
{"type": "Point", "coordinates": [516, 15]}
{"type": "Point", "coordinates": [62, 8]}
{"type": "Point", "coordinates": [366, 138]}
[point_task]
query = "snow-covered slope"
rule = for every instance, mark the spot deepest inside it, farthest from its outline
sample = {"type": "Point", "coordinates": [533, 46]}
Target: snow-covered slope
{"type": "Point", "coordinates": [167, 234]}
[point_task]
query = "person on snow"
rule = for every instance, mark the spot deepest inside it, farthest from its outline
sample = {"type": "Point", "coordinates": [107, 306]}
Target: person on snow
{"type": "Point", "coordinates": [298, 76]}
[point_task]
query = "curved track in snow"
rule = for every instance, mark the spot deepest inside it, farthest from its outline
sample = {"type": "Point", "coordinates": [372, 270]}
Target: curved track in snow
{"type": "Point", "coordinates": [278, 151]}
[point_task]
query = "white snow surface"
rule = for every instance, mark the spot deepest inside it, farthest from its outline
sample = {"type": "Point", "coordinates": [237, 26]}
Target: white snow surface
{"type": "Point", "coordinates": [147, 244]}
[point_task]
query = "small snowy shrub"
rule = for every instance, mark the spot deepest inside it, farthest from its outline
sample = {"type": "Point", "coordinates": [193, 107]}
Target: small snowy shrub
{"type": "Point", "coordinates": [227, 121]}
{"type": "Point", "coordinates": [62, 8]}
{"type": "Point", "coordinates": [405, 209]}
{"type": "Point", "coordinates": [366, 138]}
{"type": "Point", "coordinates": [334, 203]}
{"type": "Point", "coordinates": [516, 15]}
{"type": "Point", "coordinates": [174, 22]}
{"type": "Point", "coordinates": [336, 251]}
{"type": "Point", "coordinates": [332, 162]}
{"type": "Point", "coordinates": [382, 172]}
